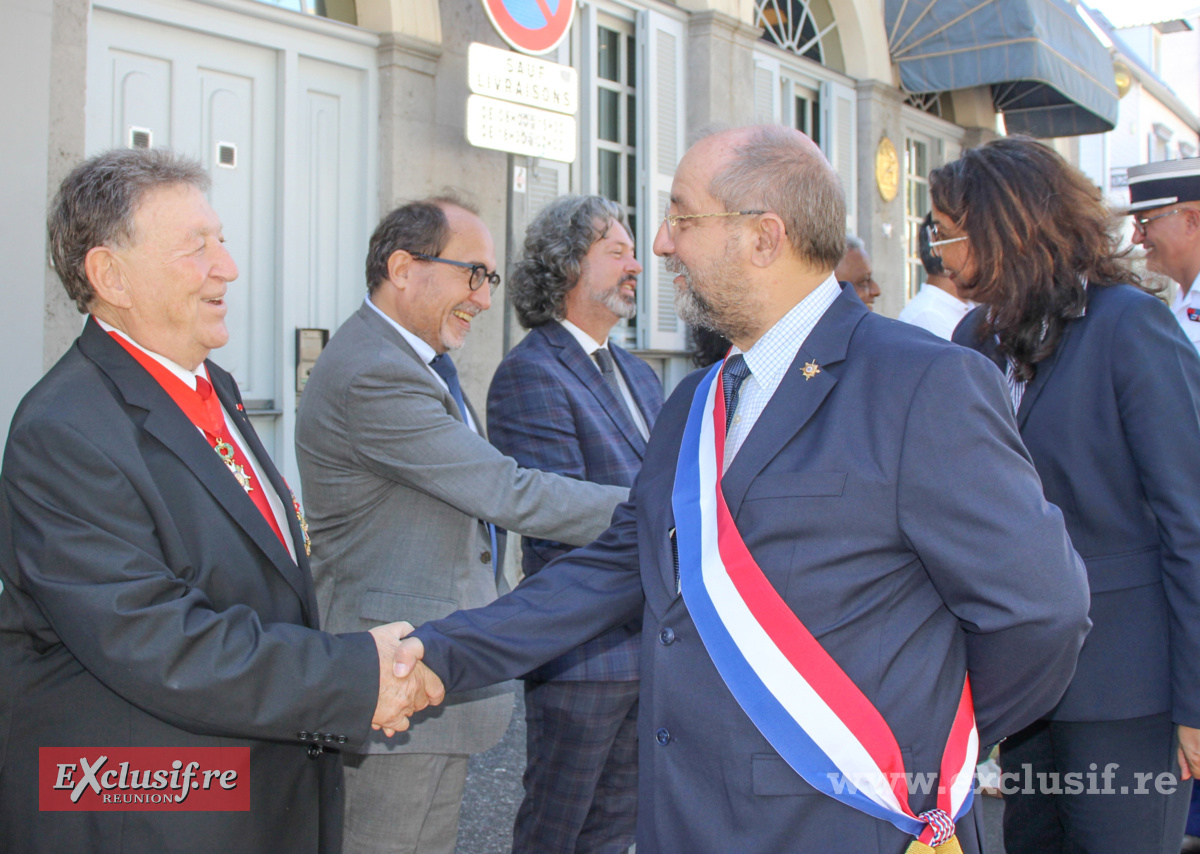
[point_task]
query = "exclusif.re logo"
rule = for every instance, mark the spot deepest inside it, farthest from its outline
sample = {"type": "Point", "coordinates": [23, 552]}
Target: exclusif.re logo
{"type": "Point", "coordinates": [144, 778]}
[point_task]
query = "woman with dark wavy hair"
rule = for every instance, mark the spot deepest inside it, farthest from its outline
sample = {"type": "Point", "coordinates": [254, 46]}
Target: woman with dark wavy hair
{"type": "Point", "coordinates": [1105, 389]}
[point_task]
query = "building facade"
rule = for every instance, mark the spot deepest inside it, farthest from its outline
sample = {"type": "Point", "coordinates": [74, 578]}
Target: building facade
{"type": "Point", "coordinates": [316, 119]}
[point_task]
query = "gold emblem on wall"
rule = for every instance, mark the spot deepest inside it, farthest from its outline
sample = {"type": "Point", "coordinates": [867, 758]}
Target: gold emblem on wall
{"type": "Point", "coordinates": [1123, 78]}
{"type": "Point", "coordinates": [887, 170]}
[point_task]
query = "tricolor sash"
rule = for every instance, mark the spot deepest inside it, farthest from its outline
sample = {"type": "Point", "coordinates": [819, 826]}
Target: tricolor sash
{"type": "Point", "coordinates": [805, 705]}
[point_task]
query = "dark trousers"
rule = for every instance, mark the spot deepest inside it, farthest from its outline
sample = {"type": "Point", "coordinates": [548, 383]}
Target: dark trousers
{"type": "Point", "coordinates": [1093, 787]}
{"type": "Point", "coordinates": [581, 769]}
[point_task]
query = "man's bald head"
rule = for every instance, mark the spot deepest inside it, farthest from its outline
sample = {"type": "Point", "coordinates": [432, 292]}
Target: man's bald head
{"type": "Point", "coordinates": [773, 168]}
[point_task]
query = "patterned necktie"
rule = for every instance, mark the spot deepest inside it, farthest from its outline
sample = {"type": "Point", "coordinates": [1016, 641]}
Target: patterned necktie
{"type": "Point", "coordinates": [734, 374]}
{"type": "Point", "coordinates": [443, 366]}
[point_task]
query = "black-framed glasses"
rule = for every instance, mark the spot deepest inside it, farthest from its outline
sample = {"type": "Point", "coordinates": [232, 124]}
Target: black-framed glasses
{"type": "Point", "coordinates": [673, 219]}
{"type": "Point", "coordinates": [931, 232]}
{"type": "Point", "coordinates": [479, 272]}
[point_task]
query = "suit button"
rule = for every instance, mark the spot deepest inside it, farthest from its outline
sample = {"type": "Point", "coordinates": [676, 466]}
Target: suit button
{"type": "Point", "coordinates": [667, 636]}
{"type": "Point", "coordinates": [341, 739]}
{"type": "Point", "coordinates": [662, 736]}
{"type": "Point", "coordinates": [302, 735]}
{"type": "Point", "coordinates": [330, 738]}
{"type": "Point", "coordinates": [485, 557]}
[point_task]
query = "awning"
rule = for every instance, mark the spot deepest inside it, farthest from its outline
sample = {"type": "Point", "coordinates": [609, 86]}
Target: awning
{"type": "Point", "coordinates": [1050, 76]}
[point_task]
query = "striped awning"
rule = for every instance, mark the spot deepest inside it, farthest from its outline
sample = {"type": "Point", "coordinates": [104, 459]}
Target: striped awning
{"type": "Point", "coordinates": [1050, 76]}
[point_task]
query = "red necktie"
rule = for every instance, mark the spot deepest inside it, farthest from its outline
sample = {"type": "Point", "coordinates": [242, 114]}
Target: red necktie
{"type": "Point", "coordinates": [203, 409]}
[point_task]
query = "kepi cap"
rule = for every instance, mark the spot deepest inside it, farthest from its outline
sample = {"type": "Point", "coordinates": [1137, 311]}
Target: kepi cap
{"type": "Point", "coordinates": [1167, 182]}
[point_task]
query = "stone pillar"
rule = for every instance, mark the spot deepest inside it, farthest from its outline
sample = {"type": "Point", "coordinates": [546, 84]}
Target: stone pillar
{"type": "Point", "coordinates": [408, 68]}
{"type": "Point", "coordinates": [974, 111]}
{"type": "Point", "coordinates": [881, 224]}
{"type": "Point", "coordinates": [68, 100]}
{"type": "Point", "coordinates": [720, 60]}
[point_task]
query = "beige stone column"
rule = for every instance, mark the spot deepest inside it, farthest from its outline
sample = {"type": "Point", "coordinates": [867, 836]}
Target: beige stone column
{"type": "Point", "coordinates": [720, 69]}
{"type": "Point", "coordinates": [880, 223]}
{"type": "Point", "coordinates": [68, 100]}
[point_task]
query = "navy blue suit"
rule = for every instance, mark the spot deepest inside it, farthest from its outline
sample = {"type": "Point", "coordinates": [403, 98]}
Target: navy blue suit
{"type": "Point", "coordinates": [1112, 422]}
{"type": "Point", "coordinates": [549, 408]}
{"type": "Point", "coordinates": [890, 502]}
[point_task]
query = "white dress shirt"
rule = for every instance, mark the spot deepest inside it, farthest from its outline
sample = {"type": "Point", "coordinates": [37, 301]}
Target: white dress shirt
{"type": "Point", "coordinates": [936, 310]}
{"type": "Point", "coordinates": [188, 378]}
{"type": "Point", "coordinates": [424, 352]}
{"type": "Point", "coordinates": [770, 358]}
{"type": "Point", "coordinates": [590, 345]}
{"type": "Point", "coordinates": [1187, 311]}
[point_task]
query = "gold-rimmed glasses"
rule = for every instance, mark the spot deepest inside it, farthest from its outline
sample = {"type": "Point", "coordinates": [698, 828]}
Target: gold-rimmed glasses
{"type": "Point", "coordinates": [674, 219]}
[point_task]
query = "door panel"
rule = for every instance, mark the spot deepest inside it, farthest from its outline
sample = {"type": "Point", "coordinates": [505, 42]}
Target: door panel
{"type": "Point", "coordinates": [281, 111]}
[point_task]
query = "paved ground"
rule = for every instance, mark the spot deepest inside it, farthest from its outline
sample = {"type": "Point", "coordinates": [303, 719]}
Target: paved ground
{"type": "Point", "coordinates": [494, 792]}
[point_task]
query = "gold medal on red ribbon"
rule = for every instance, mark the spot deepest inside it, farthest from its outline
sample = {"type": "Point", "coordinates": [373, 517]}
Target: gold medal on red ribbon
{"type": "Point", "coordinates": [226, 453]}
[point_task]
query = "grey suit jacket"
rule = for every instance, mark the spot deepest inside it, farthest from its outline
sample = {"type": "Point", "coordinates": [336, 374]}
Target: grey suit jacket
{"type": "Point", "coordinates": [395, 486]}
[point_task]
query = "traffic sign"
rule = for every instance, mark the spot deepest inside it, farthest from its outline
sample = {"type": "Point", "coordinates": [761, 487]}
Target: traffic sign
{"type": "Point", "coordinates": [525, 80]}
{"type": "Point", "coordinates": [531, 26]}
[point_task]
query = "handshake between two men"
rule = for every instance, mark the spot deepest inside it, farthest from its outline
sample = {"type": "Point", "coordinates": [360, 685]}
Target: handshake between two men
{"type": "Point", "coordinates": [406, 686]}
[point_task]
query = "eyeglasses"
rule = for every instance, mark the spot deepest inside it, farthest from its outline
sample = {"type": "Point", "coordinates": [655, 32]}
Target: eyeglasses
{"type": "Point", "coordinates": [673, 219]}
{"type": "Point", "coordinates": [931, 232]}
{"type": "Point", "coordinates": [479, 273]}
{"type": "Point", "coordinates": [1140, 222]}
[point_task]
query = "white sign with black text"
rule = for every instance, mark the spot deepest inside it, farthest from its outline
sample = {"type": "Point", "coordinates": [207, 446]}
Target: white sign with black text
{"type": "Point", "coordinates": [519, 129]}
{"type": "Point", "coordinates": [522, 79]}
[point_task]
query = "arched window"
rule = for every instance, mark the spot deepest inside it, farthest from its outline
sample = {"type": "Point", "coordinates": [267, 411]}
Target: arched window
{"type": "Point", "coordinates": [805, 27]}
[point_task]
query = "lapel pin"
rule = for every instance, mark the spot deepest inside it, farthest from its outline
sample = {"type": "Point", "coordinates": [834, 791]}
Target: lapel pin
{"type": "Point", "coordinates": [811, 369]}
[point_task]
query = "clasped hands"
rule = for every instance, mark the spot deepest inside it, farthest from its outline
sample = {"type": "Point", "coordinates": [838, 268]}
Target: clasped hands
{"type": "Point", "coordinates": [405, 684]}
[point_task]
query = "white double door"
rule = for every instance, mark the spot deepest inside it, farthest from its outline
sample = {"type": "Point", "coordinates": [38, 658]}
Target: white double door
{"type": "Point", "coordinates": [280, 109]}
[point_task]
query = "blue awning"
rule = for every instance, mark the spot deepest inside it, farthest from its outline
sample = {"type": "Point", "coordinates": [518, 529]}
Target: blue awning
{"type": "Point", "coordinates": [1050, 76]}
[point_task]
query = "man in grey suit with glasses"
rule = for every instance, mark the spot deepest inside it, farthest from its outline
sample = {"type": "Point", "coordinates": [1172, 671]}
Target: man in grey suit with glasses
{"type": "Point", "coordinates": [404, 495]}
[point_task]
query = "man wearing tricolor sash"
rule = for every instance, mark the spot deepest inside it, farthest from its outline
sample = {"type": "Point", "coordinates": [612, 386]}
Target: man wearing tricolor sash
{"type": "Point", "coordinates": [848, 577]}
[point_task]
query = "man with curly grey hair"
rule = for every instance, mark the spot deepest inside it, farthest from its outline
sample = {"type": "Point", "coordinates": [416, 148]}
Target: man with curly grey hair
{"type": "Point", "coordinates": [568, 400]}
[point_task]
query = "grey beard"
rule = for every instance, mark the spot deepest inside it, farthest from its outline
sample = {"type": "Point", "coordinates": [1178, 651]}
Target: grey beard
{"type": "Point", "coordinates": [729, 321]}
{"type": "Point", "coordinates": [615, 302]}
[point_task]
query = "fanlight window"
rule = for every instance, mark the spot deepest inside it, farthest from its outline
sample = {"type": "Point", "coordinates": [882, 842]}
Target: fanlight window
{"type": "Point", "coordinates": [804, 27]}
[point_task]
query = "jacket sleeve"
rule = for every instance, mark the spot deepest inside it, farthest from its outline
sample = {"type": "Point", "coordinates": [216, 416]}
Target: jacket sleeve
{"type": "Point", "coordinates": [400, 429]}
{"type": "Point", "coordinates": [971, 505]}
{"type": "Point", "coordinates": [530, 419]}
{"type": "Point", "coordinates": [1156, 378]}
{"type": "Point", "coordinates": [93, 552]}
{"type": "Point", "coordinates": [572, 600]}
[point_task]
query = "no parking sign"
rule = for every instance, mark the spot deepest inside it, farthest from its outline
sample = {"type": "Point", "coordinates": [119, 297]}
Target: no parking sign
{"type": "Point", "coordinates": [531, 26]}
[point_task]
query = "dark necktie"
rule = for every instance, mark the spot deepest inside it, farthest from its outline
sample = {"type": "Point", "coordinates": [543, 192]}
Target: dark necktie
{"type": "Point", "coordinates": [608, 370]}
{"type": "Point", "coordinates": [734, 374]}
{"type": "Point", "coordinates": [443, 366]}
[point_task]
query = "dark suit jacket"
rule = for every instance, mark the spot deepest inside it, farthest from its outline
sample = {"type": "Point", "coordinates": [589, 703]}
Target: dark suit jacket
{"type": "Point", "coordinates": [1112, 421]}
{"type": "Point", "coordinates": [891, 503]}
{"type": "Point", "coordinates": [147, 603]}
{"type": "Point", "coordinates": [550, 409]}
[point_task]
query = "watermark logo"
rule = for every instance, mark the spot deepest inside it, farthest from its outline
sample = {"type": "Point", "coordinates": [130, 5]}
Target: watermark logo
{"type": "Point", "coordinates": [1108, 780]}
{"type": "Point", "coordinates": [144, 778]}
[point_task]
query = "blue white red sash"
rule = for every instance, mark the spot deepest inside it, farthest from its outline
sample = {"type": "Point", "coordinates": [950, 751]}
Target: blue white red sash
{"type": "Point", "coordinates": [794, 692]}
